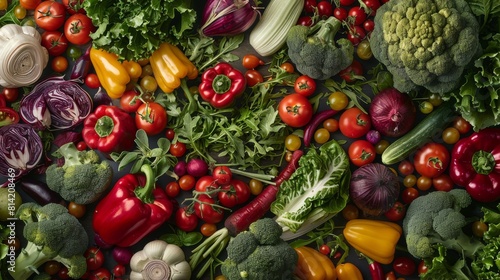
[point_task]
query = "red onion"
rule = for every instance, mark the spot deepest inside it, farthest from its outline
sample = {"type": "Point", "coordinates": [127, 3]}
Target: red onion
{"type": "Point", "coordinates": [122, 255]}
{"type": "Point", "coordinates": [227, 17]}
{"type": "Point", "coordinates": [374, 188]}
{"type": "Point", "coordinates": [373, 136]}
{"type": "Point", "coordinates": [392, 112]}
{"type": "Point", "coordinates": [100, 243]}
{"type": "Point", "coordinates": [197, 167]}
{"type": "Point", "coordinates": [180, 168]}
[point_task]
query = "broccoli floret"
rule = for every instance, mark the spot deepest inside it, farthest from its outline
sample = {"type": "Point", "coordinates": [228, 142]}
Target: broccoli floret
{"type": "Point", "coordinates": [52, 234]}
{"type": "Point", "coordinates": [435, 219]}
{"type": "Point", "coordinates": [250, 259]}
{"type": "Point", "coordinates": [315, 51]}
{"type": "Point", "coordinates": [266, 231]}
{"type": "Point", "coordinates": [425, 43]}
{"type": "Point", "coordinates": [83, 178]}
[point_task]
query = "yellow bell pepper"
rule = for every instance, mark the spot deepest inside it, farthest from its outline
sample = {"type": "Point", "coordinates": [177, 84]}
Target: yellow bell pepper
{"type": "Point", "coordinates": [112, 75]}
{"type": "Point", "coordinates": [348, 271]}
{"type": "Point", "coordinates": [375, 239]}
{"type": "Point", "coordinates": [312, 265]}
{"type": "Point", "coordinates": [170, 65]}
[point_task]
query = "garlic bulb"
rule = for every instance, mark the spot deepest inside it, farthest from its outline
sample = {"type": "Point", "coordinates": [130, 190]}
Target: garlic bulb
{"type": "Point", "coordinates": [22, 57]}
{"type": "Point", "coordinates": [159, 260]}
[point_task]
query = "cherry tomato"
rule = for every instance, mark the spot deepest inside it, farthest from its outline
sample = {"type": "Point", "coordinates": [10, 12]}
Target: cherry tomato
{"type": "Point", "coordinates": [29, 4]}
{"type": "Point", "coordinates": [331, 125]}
{"type": "Point", "coordinates": [177, 149]}
{"type": "Point", "coordinates": [405, 167]}
{"type": "Point", "coordinates": [173, 189]}
{"type": "Point", "coordinates": [77, 29]}
{"type": "Point", "coordinates": [431, 160]}
{"type": "Point", "coordinates": [373, 5]}
{"type": "Point", "coordinates": [381, 146]}
{"type": "Point", "coordinates": [170, 134]}
{"type": "Point", "coordinates": [222, 174]}
{"type": "Point", "coordinates": [100, 274]}
{"type": "Point", "coordinates": [81, 146]}
{"type": "Point", "coordinates": [187, 182]}
{"type": "Point", "coordinates": [63, 273]}
{"type": "Point", "coordinates": [325, 249]}
{"type": "Point", "coordinates": [409, 180]}
{"type": "Point", "coordinates": [390, 275]}
{"type": "Point", "coordinates": [450, 135]}
{"type": "Point", "coordinates": [404, 266]}
{"type": "Point", "coordinates": [352, 72]}
{"type": "Point", "coordinates": [305, 85]}
{"type": "Point", "coordinates": [74, 6]}
{"type": "Point", "coordinates": [354, 123]}
{"type": "Point", "coordinates": [206, 184]}
{"type": "Point", "coordinates": [59, 64]}
{"type": "Point", "coordinates": [8, 116]}
{"type": "Point", "coordinates": [338, 101]}
{"type": "Point", "coordinates": [255, 186]}
{"type": "Point", "coordinates": [356, 35]}
{"type": "Point", "coordinates": [206, 209]}
{"type": "Point", "coordinates": [442, 182]}
{"type": "Point", "coordinates": [73, 52]}
{"type": "Point", "coordinates": [185, 220]}
{"type": "Point", "coordinates": [208, 229]}
{"type": "Point", "coordinates": [92, 80]}
{"type": "Point", "coordinates": [94, 257]}
{"type": "Point", "coordinates": [305, 21]}
{"type": "Point", "coordinates": [358, 14]}
{"type": "Point", "coordinates": [321, 135]}
{"type": "Point", "coordinates": [52, 267]}
{"type": "Point", "coordinates": [325, 9]}
{"type": "Point", "coordinates": [361, 152]}
{"type": "Point", "coordinates": [10, 94]}
{"type": "Point", "coordinates": [422, 268]}
{"type": "Point", "coordinates": [253, 77]}
{"type": "Point", "coordinates": [435, 99]}
{"type": "Point", "coordinates": [234, 193]}
{"type": "Point", "coordinates": [310, 6]}
{"type": "Point", "coordinates": [77, 210]}
{"type": "Point", "coordinates": [250, 61]}
{"type": "Point", "coordinates": [295, 110]}
{"type": "Point", "coordinates": [119, 270]}
{"type": "Point", "coordinates": [50, 15]}
{"type": "Point", "coordinates": [130, 102]}
{"type": "Point", "coordinates": [425, 107]}
{"type": "Point", "coordinates": [409, 194]}
{"type": "Point", "coordinates": [148, 83]}
{"type": "Point", "coordinates": [3, 5]}
{"type": "Point", "coordinates": [20, 12]}
{"type": "Point", "coordinates": [55, 42]}
{"type": "Point", "coordinates": [350, 212]}
{"type": "Point", "coordinates": [424, 183]}
{"type": "Point", "coordinates": [364, 51]}
{"type": "Point", "coordinates": [134, 69]}
{"type": "Point", "coordinates": [369, 26]}
{"type": "Point", "coordinates": [462, 125]}
{"type": "Point", "coordinates": [340, 13]}
{"type": "Point", "coordinates": [288, 67]}
{"type": "Point", "coordinates": [292, 142]}
{"type": "Point", "coordinates": [479, 228]}
{"type": "Point", "coordinates": [396, 213]}
{"type": "Point", "coordinates": [151, 117]}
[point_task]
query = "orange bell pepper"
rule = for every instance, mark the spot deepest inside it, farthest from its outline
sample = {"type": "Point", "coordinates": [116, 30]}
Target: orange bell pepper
{"type": "Point", "coordinates": [312, 265]}
{"type": "Point", "coordinates": [348, 271]}
{"type": "Point", "coordinates": [112, 74]}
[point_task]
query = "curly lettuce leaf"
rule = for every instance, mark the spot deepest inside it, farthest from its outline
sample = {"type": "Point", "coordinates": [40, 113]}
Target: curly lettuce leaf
{"type": "Point", "coordinates": [486, 264]}
{"type": "Point", "coordinates": [439, 268]}
{"type": "Point", "coordinates": [133, 29]}
{"type": "Point", "coordinates": [319, 185]}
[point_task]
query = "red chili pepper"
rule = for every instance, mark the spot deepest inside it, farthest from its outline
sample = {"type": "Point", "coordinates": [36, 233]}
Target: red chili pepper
{"type": "Point", "coordinates": [376, 270]}
{"type": "Point", "coordinates": [221, 84]}
{"type": "Point", "coordinates": [109, 129]}
{"type": "Point", "coordinates": [475, 164]}
{"type": "Point", "coordinates": [133, 208]}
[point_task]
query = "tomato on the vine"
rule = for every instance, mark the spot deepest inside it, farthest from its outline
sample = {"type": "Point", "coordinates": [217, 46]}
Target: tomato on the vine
{"type": "Point", "coordinates": [305, 85]}
{"type": "Point", "coordinates": [207, 209]}
{"type": "Point", "coordinates": [325, 9]}
{"type": "Point", "coordinates": [354, 123]}
{"type": "Point", "coordinates": [431, 159]}
{"type": "Point", "coordinates": [361, 152]}
{"type": "Point", "coordinates": [185, 220]}
{"type": "Point", "coordinates": [356, 34]}
{"type": "Point", "coordinates": [100, 274]}
{"type": "Point", "coordinates": [346, 2]}
{"type": "Point", "coordinates": [310, 6]}
{"type": "Point", "coordinates": [373, 5]}
{"type": "Point", "coordinates": [94, 257]}
{"type": "Point", "coordinates": [50, 15]}
{"type": "Point", "coordinates": [222, 174]}
{"type": "Point", "coordinates": [305, 21]}
{"type": "Point", "coordinates": [55, 42]}
{"type": "Point", "coordinates": [74, 6]}
{"type": "Point", "coordinates": [340, 13]}
{"type": "Point", "coordinates": [63, 273]}
{"type": "Point", "coordinates": [234, 193]}
{"type": "Point", "coordinates": [92, 80]}
{"type": "Point", "coordinates": [151, 117]}
{"type": "Point", "coordinates": [369, 25]}
{"type": "Point", "coordinates": [205, 184]}
{"type": "Point", "coordinates": [130, 102]}
{"type": "Point", "coordinates": [396, 213]}
{"type": "Point", "coordinates": [358, 15]}
{"type": "Point", "coordinates": [352, 72]}
{"type": "Point", "coordinates": [295, 110]}
{"type": "Point", "coordinates": [29, 4]}
{"type": "Point", "coordinates": [77, 29]}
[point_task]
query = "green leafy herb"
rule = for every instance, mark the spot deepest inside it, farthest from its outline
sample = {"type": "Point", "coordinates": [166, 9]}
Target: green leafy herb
{"type": "Point", "coordinates": [182, 238]}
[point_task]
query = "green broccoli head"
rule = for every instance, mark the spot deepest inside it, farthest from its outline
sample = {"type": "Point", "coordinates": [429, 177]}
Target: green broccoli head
{"type": "Point", "coordinates": [248, 258]}
{"type": "Point", "coordinates": [83, 178]}
{"type": "Point", "coordinates": [435, 219]}
{"type": "Point", "coordinates": [315, 52]}
{"type": "Point", "coordinates": [425, 43]}
{"type": "Point", "coordinates": [52, 234]}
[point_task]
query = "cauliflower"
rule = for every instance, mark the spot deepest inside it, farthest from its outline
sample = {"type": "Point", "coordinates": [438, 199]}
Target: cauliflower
{"type": "Point", "coordinates": [425, 43]}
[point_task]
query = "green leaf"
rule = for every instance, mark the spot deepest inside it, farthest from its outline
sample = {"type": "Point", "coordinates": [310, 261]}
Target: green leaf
{"type": "Point", "coordinates": [141, 139]}
{"type": "Point", "coordinates": [4, 249]}
{"type": "Point", "coordinates": [172, 238]}
{"type": "Point", "coordinates": [191, 238]}
{"type": "Point", "coordinates": [128, 157]}
{"type": "Point", "coordinates": [164, 144]}
{"type": "Point", "coordinates": [156, 152]}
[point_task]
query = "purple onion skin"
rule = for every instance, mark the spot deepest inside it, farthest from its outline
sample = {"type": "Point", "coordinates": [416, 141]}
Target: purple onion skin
{"type": "Point", "coordinates": [392, 112]}
{"type": "Point", "coordinates": [374, 188]}
{"type": "Point", "coordinates": [180, 168]}
{"type": "Point", "coordinates": [197, 167]}
{"type": "Point", "coordinates": [373, 136]}
{"type": "Point", "coordinates": [99, 242]}
{"type": "Point", "coordinates": [215, 23]}
{"type": "Point", "coordinates": [122, 255]}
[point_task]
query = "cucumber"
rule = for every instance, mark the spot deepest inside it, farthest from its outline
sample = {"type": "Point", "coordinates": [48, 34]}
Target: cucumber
{"type": "Point", "coordinates": [431, 126]}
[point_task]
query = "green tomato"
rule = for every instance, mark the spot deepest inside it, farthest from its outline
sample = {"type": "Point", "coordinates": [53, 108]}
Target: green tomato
{"type": "Point", "coordinates": [10, 201]}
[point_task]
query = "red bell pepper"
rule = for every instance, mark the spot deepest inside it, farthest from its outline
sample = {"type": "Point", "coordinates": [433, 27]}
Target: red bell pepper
{"type": "Point", "coordinates": [221, 84]}
{"type": "Point", "coordinates": [475, 164]}
{"type": "Point", "coordinates": [133, 208]}
{"type": "Point", "coordinates": [109, 129]}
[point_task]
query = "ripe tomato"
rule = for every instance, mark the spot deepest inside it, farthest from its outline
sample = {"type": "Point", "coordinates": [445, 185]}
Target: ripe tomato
{"type": "Point", "coordinates": [479, 228]}
{"type": "Point", "coordinates": [187, 182]}
{"type": "Point", "coordinates": [368, 25]}
{"type": "Point", "coordinates": [340, 13]}
{"type": "Point", "coordinates": [10, 94]}
{"type": "Point", "coordinates": [422, 268]}
{"type": "Point", "coordinates": [373, 5]}
{"type": "Point", "coordinates": [207, 210]}
{"type": "Point", "coordinates": [177, 149]}
{"type": "Point", "coordinates": [305, 85]}
{"type": "Point", "coordinates": [358, 14]}
{"type": "Point", "coordinates": [55, 42]}
{"type": "Point", "coordinates": [253, 77]}
{"type": "Point", "coordinates": [151, 117]}
{"type": "Point", "coordinates": [288, 67]}
{"type": "Point", "coordinates": [462, 125]}
{"type": "Point", "coordinates": [59, 64]}
{"type": "Point", "coordinates": [364, 51]}
{"type": "Point", "coordinates": [94, 257]}
{"type": "Point", "coordinates": [63, 273]}
{"type": "Point", "coordinates": [205, 184]}
{"type": "Point", "coordinates": [350, 212]}
{"type": "Point", "coordinates": [310, 6]}
{"type": "Point", "coordinates": [130, 103]}
{"type": "Point", "coordinates": [338, 100]}
{"type": "Point", "coordinates": [208, 229]}
{"type": "Point", "coordinates": [325, 9]}
{"type": "Point", "coordinates": [404, 266]}
{"type": "Point", "coordinates": [255, 186]}
{"type": "Point", "coordinates": [361, 152]}
{"type": "Point", "coordinates": [443, 182]}
{"type": "Point", "coordinates": [292, 142]}
{"type": "Point", "coordinates": [321, 135]}
{"type": "Point", "coordinates": [100, 274]}
{"type": "Point", "coordinates": [185, 220]}
{"type": "Point", "coordinates": [234, 193]}
{"type": "Point", "coordinates": [29, 4]}
{"type": "Point", "coordinates": [432, 159]}
{"type": "Point", "coordinates": [354, 123]}
{"type": "Point", "coordinates": [295, 110]}
{"type": "Point", "coordinates": [92, 80]}
{"type": "Point", "coordinates": [346, 2]}
{"type": "Point", "coordinates": [8, 116]}
{"type": "Point", "coordinates": [119, 270]}
{"type": "Point", "coordinates": [332, 125]}
{"type": "Point", "coordinates": [305, 21]}
{"type": "Point", "coordinates": [77, 210]}
{"type": "Point", "coordinates": [396, 213]}
{"type": "Point", "coordinates": [352, 72]}
{"type": "Point", "coordinates": [52, 267]}
{"type": "Point", "coordinates": [405, 167]}
{"type": "Point", "coordinates": [409, 194]}
{"type": "Point", "coordinates": [50, 15]}
{"type": "Point", "coordinates": [173, 189]}
{"type": "Point", "coordinates": [325, 249]}
{"type": "Point", "coordinates": [74, 6]}
{"type": "Point", "coordinates": [250, 61]}
{"type": "Point", "coordinates": [222, 174]}
{"type": "Point", "coordinates": [356, 34]}
{"type": "Point", "coordinates": [77, 29]}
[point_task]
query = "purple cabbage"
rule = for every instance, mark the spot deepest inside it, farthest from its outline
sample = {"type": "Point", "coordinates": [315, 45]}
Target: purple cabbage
{"type": "Point", "coordinates": [56, 104]}
{"type": "Point", "coordinates": [227, 17]}
{"type": "Point", "coordinates": [21, 150]}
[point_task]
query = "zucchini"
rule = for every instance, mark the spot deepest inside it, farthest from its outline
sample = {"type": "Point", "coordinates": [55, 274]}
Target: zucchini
{"type": "Point", "coordinates": [431, 126]}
